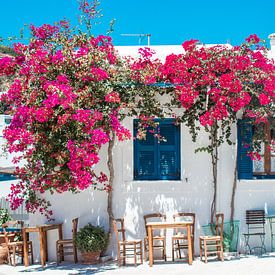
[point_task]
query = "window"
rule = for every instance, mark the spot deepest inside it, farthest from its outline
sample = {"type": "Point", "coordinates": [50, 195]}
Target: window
{"type": "Point", "coordinates": [158, 160]}
{"type": "Point", "coordinates": [263, 168]}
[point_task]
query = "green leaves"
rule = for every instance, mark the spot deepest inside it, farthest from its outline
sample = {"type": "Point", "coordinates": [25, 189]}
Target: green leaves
{"type": "Point", "coordinates": [91, 238]}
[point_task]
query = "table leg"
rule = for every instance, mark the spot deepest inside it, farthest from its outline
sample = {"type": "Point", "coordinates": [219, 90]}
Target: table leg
{"type": "Point", "coordinates": [42, 246]}
{"type": "Point", "coordinates": [60, 236]}
{"type": "Point", "coordinates": [46, 245]}
{"type": "Point", "coordinates": [150, 244]}
{"type": "Point", "coordinates": [189, 239]}
{"type": "Point", "coordinates": [25, 248]}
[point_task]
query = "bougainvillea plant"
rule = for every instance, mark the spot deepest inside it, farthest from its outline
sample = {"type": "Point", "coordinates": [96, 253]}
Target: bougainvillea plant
{"type": "Point", "coordinates": [214, 86]}
{"type": "Point", "coordinates": [64, 106]}
{"type": "Point", "coordinates": [68, 93]}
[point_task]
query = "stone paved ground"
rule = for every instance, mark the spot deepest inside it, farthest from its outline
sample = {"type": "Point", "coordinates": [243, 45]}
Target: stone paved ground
{"type": "Point", "coordinates": [250, 265]}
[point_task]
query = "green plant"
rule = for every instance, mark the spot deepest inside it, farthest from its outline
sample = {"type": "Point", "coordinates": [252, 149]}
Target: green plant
{"type": "Point", "coordinates": [91, 239]}
{"type": "Point", "coordinates": [4, 216]}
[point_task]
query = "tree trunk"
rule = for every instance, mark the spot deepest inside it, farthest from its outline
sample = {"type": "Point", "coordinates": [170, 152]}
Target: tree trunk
{"type": "Point", "coordinates": [214, 160]}
{"type": "Point", "coordinates": [234, 186]}
{"type": "Point", "coordinates": [111, 180]}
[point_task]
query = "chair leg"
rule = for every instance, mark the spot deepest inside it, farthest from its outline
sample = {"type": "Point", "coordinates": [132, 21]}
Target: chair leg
{"type": "Point", "coordinates": [9, 256]}
{"type": "Point", "coordinates": [247, 246]}
{"type": "Point", "coordinates": [193, 248]}
{"type": "Point", "coordinates": [22, 255]}
{"type": "Point", "coordinates": [263, 249]}
{"type": "Point", "coordinates": [75, 254]}
{"type": "Point", "coordinates": [218, 249]}
{"type": "Point", "coordinates": [13, 252]}
{"type": "Point", "coordinates": [141, 256]}
{"type": "Point", "coordinates": [145, 251]}
{"type": "Point", "coordinates": [178, 243]}
{"type": "Point", "coordinates": [135, 254]}
{"type": "Point", "coordinates": [164, 250]}
{"type": "Point", "coordinates": [201, 250]}
{"type": "Point", "coordinates": [173, 251]}
{"type": "Point", "coordinates": [118, 255]}
{"type": "Point", "coordinates": [221, 252]}
{"type": "Point", "coordinates": [124, 254]}
{"type": "Point", "coordinates": [205, 251]}
{"type": "Point", "coordinates": [57, 254]}
{"type": "Point", "coordinates": [31, 250]}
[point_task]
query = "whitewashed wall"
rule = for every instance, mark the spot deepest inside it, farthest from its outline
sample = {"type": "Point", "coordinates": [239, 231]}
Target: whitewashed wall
{"type": "Point", "coordinates": [133, 199]}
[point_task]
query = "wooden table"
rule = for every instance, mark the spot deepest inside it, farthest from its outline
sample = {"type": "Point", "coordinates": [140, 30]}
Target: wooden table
{"type": "Point", "coordinates": [42, 231]}
{"type": "Point", "coordinates": [163, 225]}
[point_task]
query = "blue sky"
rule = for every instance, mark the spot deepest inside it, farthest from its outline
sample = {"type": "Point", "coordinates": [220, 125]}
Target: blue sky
{"type": "Point", "coordinates": [169, 22]}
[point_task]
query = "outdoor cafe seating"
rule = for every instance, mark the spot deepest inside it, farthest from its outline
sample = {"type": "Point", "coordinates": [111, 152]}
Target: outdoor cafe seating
{"type": "Point", "coordinates": [126, 248]}
{"type": "Point", "coordinates": [213, 244]}
{"type": "Point", "coordinates": [255, 220]}
{"type": "Point", "coordinates": [159, 238]}
{"type": "Point", "coordinates": [179, 239]}
{"type": "Point", "coordinates": [66, 247]}
{"type": "Point", "coordinates": [13, 241]}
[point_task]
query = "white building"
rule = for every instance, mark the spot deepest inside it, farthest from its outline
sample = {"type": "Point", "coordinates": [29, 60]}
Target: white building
{"type": "Point", "coordinates": [192, 192]}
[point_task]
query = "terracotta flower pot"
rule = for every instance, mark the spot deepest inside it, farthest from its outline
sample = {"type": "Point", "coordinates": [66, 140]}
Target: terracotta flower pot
{"type": "Point", "coordinates": [3, 254]}
{"type": "Point", "coordinates": [91, 257]}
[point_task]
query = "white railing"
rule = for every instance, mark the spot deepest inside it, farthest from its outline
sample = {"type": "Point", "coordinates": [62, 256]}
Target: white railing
{"type": "Point", "coordinates": [19, 214]}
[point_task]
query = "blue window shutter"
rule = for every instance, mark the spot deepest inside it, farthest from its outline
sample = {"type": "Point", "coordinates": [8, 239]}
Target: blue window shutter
{"type": "Point", "coordinates": [145, 157]}
{"type": "Point", "coordinates": [245, 165]}
{"type": "Point", "coordinates": [158, 160]}
{"type": "Point", "coordinates": [169, 151]}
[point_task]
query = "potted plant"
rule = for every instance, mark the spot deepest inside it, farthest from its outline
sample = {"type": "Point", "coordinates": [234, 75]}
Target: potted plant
{"type": "Point", "coordinates": [91, 241]}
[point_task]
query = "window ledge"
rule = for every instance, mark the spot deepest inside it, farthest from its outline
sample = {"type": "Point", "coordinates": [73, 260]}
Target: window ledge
{"type": "Point", "coordinates": [257, 181]}
{"type": "Point", "coordinates": [156, 181]}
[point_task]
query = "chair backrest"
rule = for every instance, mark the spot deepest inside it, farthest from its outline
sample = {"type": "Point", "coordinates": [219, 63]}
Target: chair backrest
{"type": "Point", "coordinates": [74, 227]}
{"type": "Point", "coordinates": [119, 229]}
{"type": "Point", "coordinates": [185, 217]}
{"type": "Point", "coordinates": [153, 217]}
{"type": "Point", "coordinates": [219, 224]}
{"type": "Point", "coordinates": [255, 220]}
{"type": "Point", "coordinates": [9, 234]}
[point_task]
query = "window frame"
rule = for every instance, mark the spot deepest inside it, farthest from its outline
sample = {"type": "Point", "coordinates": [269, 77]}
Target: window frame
{"type": "Point", "coordinates": [266, 156]}
{"type": "Point", "coordinates": [157, 175]}
{"type": "Point", "coordinates": [245, 163]}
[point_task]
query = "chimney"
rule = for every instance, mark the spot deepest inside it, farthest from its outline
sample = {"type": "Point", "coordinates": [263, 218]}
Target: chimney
{"type": "Point", "coordinates": [272, 44]}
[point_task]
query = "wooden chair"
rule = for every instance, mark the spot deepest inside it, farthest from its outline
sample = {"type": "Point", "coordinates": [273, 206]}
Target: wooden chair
{"type": "Point", "coordinates": [15, 248]}
{"type": "Point", "coordinates": [131, 248]}
{"type": "Point", "coordinates": [179, 239]}
{"type": "Point", "coordinates": [255, 220]}
{"type": "Point", "coordinates": [67, 244]}
{"type": "Point", "coordinates": [159, 237]}
{"type": "Point", "coordinates": [213, 244]}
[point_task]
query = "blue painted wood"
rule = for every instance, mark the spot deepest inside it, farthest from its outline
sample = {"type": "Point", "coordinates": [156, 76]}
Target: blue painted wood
{"type": "Point", "coordinates": [6, 177]}
{"type": "Point", "coordinates": [158, 160]}
{"type": "Point", "coordinates": [245, 165]}
{"type": "Point", "coordinates": [11, 230]}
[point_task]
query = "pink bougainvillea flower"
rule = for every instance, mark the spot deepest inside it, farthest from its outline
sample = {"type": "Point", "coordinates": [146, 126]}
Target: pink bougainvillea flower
{"type": "Point", "coordinates": [190, 44]}
{"type": "Point", "coordinates": [112, 97]}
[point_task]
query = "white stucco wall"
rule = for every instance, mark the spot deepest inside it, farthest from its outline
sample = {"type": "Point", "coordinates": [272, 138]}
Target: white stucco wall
{"type": "Point", "coordinates": [133, 199]}
{"type": "Point", "coordinates": [193, 193]}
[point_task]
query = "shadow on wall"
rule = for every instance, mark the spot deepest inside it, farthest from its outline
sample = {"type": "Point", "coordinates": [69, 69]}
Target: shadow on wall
{"type": "Point", "coordinates": [136, 199]}
{"type": "Point", "coordinates": [90, 206]}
